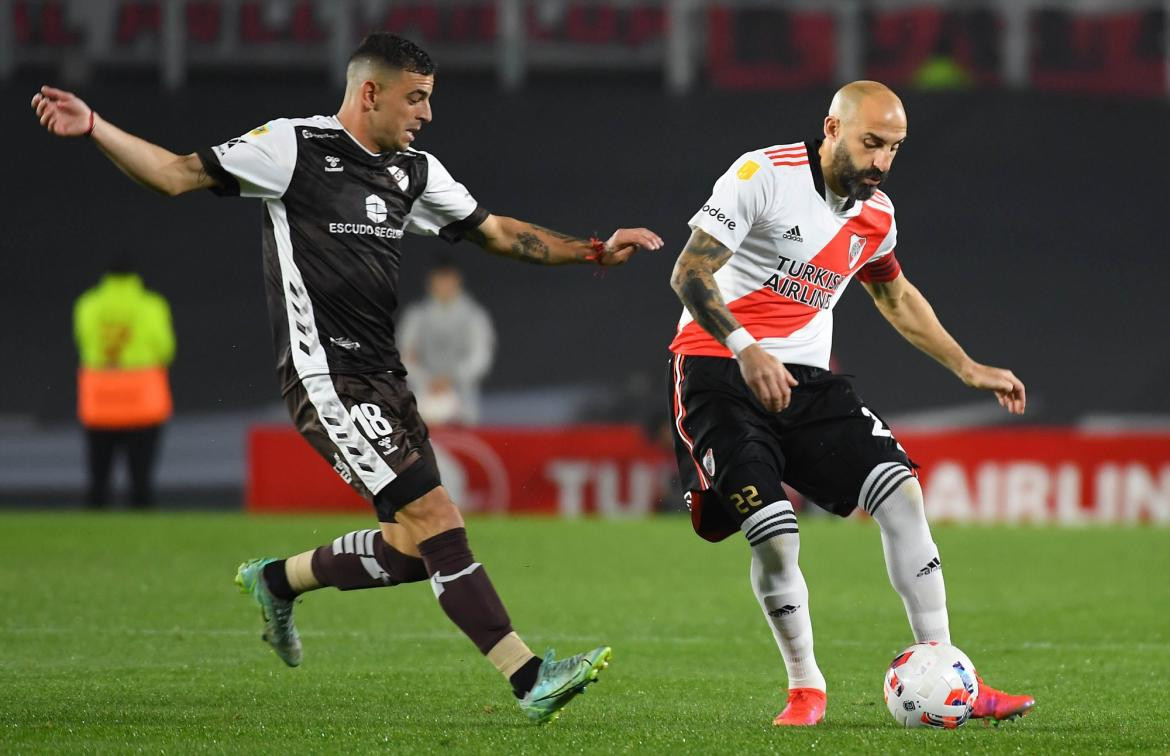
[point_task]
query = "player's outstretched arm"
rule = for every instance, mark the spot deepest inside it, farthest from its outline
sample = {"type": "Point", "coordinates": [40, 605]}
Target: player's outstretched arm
{"type": "Point", "coordinates": [531, 243]}
{"type": "Point", "coordinates": [64, 114]}
{"type": "Point", "coordinates": [693, 280]}
{"type": "Point", "coordinates": [904, 306]}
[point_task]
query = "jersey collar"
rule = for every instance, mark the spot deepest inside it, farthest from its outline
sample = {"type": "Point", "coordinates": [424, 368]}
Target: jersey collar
{"type": "Point", "coordinates": [359, 145]}
{"type": "Point", "coordinates": [813, 147]}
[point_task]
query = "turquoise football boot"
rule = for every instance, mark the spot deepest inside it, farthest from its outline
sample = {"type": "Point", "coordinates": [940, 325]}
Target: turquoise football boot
{"type": "Point", "coordinates": [559, 681]}
{"type": "Point", "coordinates": [280, 631]}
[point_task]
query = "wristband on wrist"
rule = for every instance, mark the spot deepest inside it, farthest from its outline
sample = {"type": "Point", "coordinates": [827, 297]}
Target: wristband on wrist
{"type": "Point", "coordinates": [739, 340]}
{"type": "Point", "coordinates": [92, 123]}
{"type": "Point", "coordinates": [598, 250]}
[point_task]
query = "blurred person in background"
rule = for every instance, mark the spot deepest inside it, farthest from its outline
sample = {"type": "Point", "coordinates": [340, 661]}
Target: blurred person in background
{"type": "Point", "coordinates": [447, 343]}
{"type": "Point", "coordinates": [340, 192]}
{"type": "Point", "coordinates": [125, 342]}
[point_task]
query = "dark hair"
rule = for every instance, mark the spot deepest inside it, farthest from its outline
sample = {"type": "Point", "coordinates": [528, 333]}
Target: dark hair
{"type": "Point", "coordinates": [395, 52]}
{"type": "Point", "coordinates": [443, 263]}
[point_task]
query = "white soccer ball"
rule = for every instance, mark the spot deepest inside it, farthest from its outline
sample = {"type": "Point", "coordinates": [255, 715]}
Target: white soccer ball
{"type": "Point", "coordinates": [931, 685]}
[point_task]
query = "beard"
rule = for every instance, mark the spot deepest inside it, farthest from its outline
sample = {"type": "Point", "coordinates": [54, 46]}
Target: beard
{"type": "Point", "coordinates": [853, 178]}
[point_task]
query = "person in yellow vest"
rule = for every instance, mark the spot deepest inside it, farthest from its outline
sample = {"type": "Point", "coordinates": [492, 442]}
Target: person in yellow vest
{"type": "Point", "coordinates": [126, 343]}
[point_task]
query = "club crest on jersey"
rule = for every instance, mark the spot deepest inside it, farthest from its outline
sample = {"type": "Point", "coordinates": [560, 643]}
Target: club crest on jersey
{"type": "Point", "coordinates": [333, 164]}
{"type": "Point", "coordinates": [399, 177]}
{"type": "Point", "coordinates": [709, 462]}
{"type": "Point", "coordinates": [856, 246]}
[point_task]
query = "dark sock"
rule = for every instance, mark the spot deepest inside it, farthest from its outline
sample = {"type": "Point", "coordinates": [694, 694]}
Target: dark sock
{"type": "Point", "coordinates": [464, 591]}
{"type": "Point", "coordinates": [277, 581]}
{"type": "Point", "coordinates": [524, 678]}
{"type": "Point", "coordinates": [363, 559]}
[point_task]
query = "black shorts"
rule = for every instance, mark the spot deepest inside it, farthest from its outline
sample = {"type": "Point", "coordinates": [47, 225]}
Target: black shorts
{"type": "Point", "coordinates": [367, 427]}
{"type": "Point", "coordinates": [824, 444]}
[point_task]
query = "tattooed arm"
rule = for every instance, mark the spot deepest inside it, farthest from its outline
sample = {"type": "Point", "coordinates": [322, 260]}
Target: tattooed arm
{"type": "Point", "coordinates": [531, 243]}
{"type": "Point", "coordinates": [66, 115]}
{"type": "Point", "coordinates": [693, 280]}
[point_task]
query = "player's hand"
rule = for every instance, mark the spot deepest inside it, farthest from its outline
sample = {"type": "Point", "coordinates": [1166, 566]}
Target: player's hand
{"type": "Point", "coordinates": [1009, 389]}
{"type": "Point", "coordinates": [767, 377]}
{"type": "Point", "coordinates": [62, 113]}
{"type": "Point", "coordinates": [625, 242]}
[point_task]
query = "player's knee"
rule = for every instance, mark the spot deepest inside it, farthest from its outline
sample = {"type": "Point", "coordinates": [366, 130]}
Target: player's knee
{"type": "Point", "coordinates": [429, 515]}
{"type": "Point", "coordinates": [780, 552]}
{"type": "Point", "coordinates": [890, 485]}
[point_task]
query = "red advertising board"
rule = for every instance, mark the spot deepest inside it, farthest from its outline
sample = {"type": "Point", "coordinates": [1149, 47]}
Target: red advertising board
{"type": "Point", "coordinates": [607, 469]}
{"type": "Point", "coordinates": [1015, 476]}
{"type": "Point", "coordinates": [1043, 476]}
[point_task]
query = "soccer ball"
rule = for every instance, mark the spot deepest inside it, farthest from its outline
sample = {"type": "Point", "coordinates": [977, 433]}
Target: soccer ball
{"type": "Point", "coordinates": [931, 685]}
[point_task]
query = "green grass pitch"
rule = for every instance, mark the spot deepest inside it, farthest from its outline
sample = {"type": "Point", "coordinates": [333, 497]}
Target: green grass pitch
{"type": "Point", "coordinates": [124, 633]}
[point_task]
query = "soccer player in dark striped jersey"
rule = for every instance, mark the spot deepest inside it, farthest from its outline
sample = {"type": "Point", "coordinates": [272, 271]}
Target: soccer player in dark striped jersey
{"type": "Point", "coordinates": [339, 193]}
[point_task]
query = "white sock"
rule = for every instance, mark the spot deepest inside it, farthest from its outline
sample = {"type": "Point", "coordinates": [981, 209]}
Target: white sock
{"type": "Point", "coordinates": [780, 588]}
{"type": "Point", "coordinates": [891, 494]}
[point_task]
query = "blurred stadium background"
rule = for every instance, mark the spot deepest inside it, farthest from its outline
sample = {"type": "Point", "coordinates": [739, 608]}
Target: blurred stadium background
{"type": "Point", "coordinates": [1030, 194]}
{"type": "Point", "coordinates": [1029, 198]}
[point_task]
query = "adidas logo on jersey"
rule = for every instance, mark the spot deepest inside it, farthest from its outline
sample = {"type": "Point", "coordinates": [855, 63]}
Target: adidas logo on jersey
{"type": "Point", "coordinates": [793, 234]}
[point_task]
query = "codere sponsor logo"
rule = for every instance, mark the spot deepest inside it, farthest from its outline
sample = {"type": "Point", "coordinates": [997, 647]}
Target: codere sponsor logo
{"type": "Point", "coordinates": [718, 214]}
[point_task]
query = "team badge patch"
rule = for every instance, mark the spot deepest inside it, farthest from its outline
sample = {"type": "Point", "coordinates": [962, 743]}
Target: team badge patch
{"type": "Point", "coordinates": [856, 246]}
{"type": "Point", "coordinates": [259, 130]}
{"type": "Point", "coordinates": [399, 177]}
{"type": "Point", "coordinates": [709, 462]}
{"type": "Point", "coordinates": [747, 170]}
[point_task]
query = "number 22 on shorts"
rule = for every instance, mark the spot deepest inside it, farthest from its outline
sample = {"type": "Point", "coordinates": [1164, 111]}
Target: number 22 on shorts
{"type": "Point", "coordinates": [747, 499]}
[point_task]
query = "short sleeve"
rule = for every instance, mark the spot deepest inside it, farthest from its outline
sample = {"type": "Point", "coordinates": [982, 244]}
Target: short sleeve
{"type": "Point", "coordinates": [739, 199]}
{"type": "Point", "coordinates": [257, 164]}
{"type": "Point", "coordinates": [883, 266]}
{"type": "Point", "coordinates": [445, 208]}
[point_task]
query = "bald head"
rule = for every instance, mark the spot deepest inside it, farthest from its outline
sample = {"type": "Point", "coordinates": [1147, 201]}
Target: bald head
{"type": "Point", "coordinates": [864, 129]}
{"type": "Point", "coordinates": [868, 101]}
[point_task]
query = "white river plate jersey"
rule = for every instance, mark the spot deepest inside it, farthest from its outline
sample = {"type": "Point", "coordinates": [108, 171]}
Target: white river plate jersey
{"type": "Point", "coordinates": [793, 253]}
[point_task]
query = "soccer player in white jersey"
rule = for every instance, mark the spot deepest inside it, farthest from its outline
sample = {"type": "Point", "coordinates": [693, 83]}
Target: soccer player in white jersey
{"type": "Point", "coordinates": [339, 192]}
{"type": "Point", "coordinates": [751, 394]}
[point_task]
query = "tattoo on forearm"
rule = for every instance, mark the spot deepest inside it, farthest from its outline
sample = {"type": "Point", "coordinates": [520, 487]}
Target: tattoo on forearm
{"type": "Point", "coordinates": [694, 282]}
{"type": "Point", "coordinates": [568, 238]}
{"type": "Point", "coordinates": [530, 248]}
{"type": "Point", "coordinates": [701, 296]}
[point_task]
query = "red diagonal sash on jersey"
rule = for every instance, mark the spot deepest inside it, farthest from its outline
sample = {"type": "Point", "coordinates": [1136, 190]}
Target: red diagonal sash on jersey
{"type": "Point", "coordinates": [768, 314]}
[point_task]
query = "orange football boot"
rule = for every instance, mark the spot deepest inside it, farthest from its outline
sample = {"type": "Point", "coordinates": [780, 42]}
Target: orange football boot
{"type": "Point", "coordinates": [996, 705]}
{"type": "Point", "coordinates": [806, 707]}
